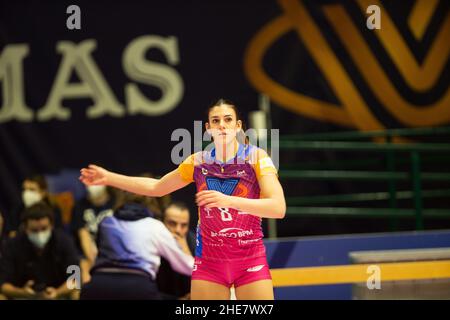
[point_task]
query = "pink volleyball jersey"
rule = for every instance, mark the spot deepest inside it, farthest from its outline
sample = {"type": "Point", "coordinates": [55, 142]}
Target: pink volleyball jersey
{"type": "Point", "coordinates": [226, 233]}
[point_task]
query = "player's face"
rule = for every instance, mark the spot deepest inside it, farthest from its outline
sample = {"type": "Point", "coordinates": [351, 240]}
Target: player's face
{"type": "Point", "coordinates": [223, 124]}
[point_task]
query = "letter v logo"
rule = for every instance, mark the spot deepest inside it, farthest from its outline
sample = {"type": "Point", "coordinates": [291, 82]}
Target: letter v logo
{"type": "Point", "coordinates": [226, 186]}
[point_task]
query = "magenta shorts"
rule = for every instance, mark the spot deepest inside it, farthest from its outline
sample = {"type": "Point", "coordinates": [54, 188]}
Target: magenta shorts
{"type": "Point", "coordinates": [227, 273]}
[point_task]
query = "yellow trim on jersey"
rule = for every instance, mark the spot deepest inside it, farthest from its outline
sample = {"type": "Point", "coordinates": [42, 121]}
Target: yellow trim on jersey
{"type": "Point", "coordinates": [264, 165]}
{"type": "Point", "coordinates": [186, 169]}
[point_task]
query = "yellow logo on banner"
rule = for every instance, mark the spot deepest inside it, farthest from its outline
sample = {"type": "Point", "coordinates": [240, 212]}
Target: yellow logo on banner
{"type": "Point", "coordinates": [353, 110]}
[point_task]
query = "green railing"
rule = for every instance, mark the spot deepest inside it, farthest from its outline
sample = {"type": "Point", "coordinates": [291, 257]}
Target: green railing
{"type": "Point", "coordinates": [434, 153]}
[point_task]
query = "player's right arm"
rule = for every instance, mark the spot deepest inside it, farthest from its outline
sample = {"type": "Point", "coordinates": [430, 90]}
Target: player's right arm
{"type": "Point", "coordinates": [95, 175]}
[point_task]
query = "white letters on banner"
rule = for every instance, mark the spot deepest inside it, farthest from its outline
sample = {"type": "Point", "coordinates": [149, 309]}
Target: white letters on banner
{"type": "Point", "coordinates": [78, 58]}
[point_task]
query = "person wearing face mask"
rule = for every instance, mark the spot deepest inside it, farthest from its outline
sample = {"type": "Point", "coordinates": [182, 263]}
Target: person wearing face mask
{"type": "Point", "coordinates": [34, 190]}
{"type": "Point", "coordinates": [87, 214]}
{"type": "Point", "coordinates": [35, 262]}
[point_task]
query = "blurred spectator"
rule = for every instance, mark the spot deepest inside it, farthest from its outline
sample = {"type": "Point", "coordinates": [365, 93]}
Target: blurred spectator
{"type": "Point", "coordinates": [2, 234]}
{"type": "Point", "coordinates": [35, 262]}
{"type": "Point", "coordinates": [150, 203]}
{"type": "Point", "coordinates": [130, 244]}
{"type": "Point", "coordinates": [87, 214]}
{"type": "Point", "coordinates": [172, 284]}
{"type": "Point", "coordinates": [34, 190]}
{"type": "Point", "coordinates": [161, 202]}
{"type": "Point", "coordinates": [2, 239]}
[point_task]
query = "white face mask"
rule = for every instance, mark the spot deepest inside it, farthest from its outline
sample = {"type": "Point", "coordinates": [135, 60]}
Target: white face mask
{"type": "Point", "coordinates": [96, 191]}
{"type": "Point", "coordinates": [40, 239]}
{"type": "Point", "coordinates": [30, 197]}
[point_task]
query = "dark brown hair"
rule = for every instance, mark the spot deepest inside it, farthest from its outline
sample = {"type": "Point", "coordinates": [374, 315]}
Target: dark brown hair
{"type": "Point", "coordinates": [223, 101]}
{"type": "Point", "coordinates": [177, 204]}
{"type": "Point", "coordinates": [38, 211]}
{"type": "Point", "coordinates": [39, 179]}
{"type": "Point", "coordinates": [150, 203]}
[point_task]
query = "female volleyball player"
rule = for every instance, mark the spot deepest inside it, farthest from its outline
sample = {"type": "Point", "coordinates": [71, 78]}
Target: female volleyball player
{"type": "Point", "coordinates": [237, 185]}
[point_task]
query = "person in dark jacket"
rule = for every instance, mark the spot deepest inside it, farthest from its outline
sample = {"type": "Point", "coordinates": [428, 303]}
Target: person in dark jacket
{"type": "Point", "coordinates": [35, 263]}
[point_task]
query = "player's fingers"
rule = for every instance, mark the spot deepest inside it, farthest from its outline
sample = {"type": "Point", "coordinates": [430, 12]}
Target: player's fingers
{"type": "Point", "coordinates": [85, 181]}
{"type": "Point", "coordinates": [90, 181]}
{"type": "Point", "coordinates": [203, 202]}
{"type": "Point", "coordinates": [205, 197]}
{"type": "Point", "coordinates": [206, 192]}
{"type": "Point", "coordinates": [94, 167]}
{"type": "Point", "coordinates": [87, 172]}
{"type": "Point", "coordinates": [207, 201]}
{"type": "Point", "coordinates": [203, 194]}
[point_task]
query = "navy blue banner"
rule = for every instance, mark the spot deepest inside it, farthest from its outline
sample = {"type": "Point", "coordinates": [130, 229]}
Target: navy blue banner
{"type": "Point", "coordinates": [108, 82]}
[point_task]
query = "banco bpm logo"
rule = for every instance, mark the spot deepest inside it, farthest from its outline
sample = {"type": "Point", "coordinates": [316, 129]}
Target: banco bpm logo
{"type": "Point", "coordinates": [414, 45]}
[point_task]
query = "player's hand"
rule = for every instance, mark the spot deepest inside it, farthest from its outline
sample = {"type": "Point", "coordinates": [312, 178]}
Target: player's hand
{"type": "Point", "coordinates": [212, 199]}
{"type": "Point", "coordinates": [94, 175]}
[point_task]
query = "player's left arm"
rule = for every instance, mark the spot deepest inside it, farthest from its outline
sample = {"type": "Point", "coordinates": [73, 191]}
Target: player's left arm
{"type": "Point", "coordinates": [270, 205]}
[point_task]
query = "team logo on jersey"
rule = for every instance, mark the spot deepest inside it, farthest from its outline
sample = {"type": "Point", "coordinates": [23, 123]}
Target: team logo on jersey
{"type": "Point", "coordinates": [240, 173]}
{"type": "Point", "coordinates": [232, 233]}
{"type": "Point", "coordinates": [255, 268]}
{"type": "Point", "coordinates": [208, 215]}
{"type": "Point", "coordinates": [226, 186]}
{"type": "Point", "coordinates": [266, 163]}
{"type": "Point", "coordinates": [204, 171]}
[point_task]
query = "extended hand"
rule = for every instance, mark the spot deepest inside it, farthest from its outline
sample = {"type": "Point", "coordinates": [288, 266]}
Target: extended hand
{"type": "Point", "coordinates": [94, 175]}
{"type": "Point", "coordinates": [211, 199]}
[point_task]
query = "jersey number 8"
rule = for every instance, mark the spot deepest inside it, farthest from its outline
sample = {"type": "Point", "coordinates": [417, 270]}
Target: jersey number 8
{"type": "Point", "coordinates": [225, 215]}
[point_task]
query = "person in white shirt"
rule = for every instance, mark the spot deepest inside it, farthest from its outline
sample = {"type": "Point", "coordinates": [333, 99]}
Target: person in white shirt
{"type": "Point", "coordinates": [130, 246]}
